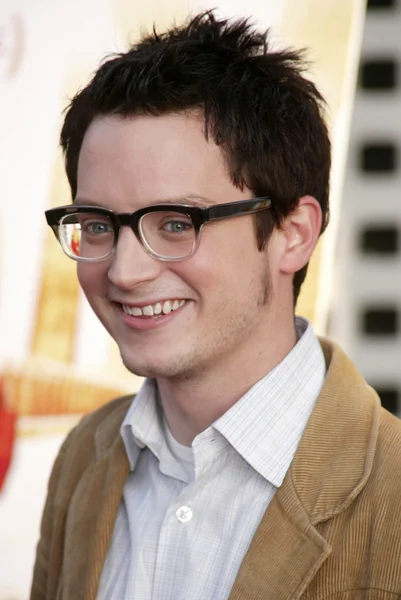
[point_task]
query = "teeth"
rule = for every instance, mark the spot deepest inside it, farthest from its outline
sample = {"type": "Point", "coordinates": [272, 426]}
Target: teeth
{"type": "Point", "coordinates": [167, 307]}
{"type": "Point", "coordinates": [155, 309]}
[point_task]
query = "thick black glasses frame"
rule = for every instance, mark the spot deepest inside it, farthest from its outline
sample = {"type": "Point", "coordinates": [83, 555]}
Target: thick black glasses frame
{"type": "Point", "coordinates": [199, 214]}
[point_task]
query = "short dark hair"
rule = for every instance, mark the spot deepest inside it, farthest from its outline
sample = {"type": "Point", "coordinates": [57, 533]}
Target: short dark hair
{"type": "Point", "coordinates": [258, 106]}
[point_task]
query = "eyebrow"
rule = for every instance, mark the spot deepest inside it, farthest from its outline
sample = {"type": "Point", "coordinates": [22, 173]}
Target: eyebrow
{"type": "Point", "coordinates": [185, 199]}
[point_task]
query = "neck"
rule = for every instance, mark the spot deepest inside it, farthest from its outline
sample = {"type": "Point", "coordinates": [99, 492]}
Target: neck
{"type": "Point", "coordinates": [192, 404]}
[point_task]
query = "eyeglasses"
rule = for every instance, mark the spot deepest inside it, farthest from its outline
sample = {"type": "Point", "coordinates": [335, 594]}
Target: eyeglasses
{"type": "Point", "coordinates": [169, 232]}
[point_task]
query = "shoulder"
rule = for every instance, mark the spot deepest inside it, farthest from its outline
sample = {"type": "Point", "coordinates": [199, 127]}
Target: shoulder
{"type": "Point", "coordinates": [390, 430]}
{"type": "Point", "coordinates": [387, 461]}
{"type": "Point", "coordinates": [79, 450]}
{"type": "Point", "coordinates": [378, 507]}
{"type": "Point", "coordinates": [379, 500]}
{"type": "Point", "coordinates": [76, 456]}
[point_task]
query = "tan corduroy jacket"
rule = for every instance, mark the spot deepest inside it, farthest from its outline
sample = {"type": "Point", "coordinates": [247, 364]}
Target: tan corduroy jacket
{"type": "Point", "coordinates": [333, 529]}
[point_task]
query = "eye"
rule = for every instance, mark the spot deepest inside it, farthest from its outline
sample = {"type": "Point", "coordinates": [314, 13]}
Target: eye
{"type": "Point", "coordinates": [176, 226]}
{"type": "Point", "coordinates": [96, 227]}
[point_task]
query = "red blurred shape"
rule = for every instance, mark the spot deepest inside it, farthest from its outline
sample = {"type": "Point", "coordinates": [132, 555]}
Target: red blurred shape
{"type": "Point", "coordinates": [7, 433]}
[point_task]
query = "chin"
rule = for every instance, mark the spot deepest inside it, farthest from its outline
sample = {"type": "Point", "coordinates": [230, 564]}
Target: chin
{"type": "Point", "coordinates": [176, 367]}
{"type": "Point", "coordinates": [148, 368]}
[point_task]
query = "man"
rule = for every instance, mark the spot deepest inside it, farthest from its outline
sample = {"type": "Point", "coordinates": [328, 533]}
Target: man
{"type": "Point", "coordinates": [255, 462]}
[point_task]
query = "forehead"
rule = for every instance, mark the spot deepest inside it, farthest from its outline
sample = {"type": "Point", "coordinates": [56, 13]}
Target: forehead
{"type": "Point", "coordinates": [142, 159]}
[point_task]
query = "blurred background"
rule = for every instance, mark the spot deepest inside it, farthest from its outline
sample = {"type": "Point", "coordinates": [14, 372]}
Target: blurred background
{"type": "Point", "coordinates": [56, 361]}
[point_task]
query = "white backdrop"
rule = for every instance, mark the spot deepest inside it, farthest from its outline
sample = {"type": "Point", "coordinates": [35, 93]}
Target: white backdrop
{"type": "Point", "coordinates": [47, 49]}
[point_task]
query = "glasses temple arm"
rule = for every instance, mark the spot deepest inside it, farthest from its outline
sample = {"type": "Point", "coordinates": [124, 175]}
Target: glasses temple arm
{"type": "Point", "coordinates": [233, 209]}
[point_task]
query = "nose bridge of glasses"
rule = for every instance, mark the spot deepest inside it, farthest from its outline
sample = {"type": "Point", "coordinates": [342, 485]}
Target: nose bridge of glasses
{"type": "Point", "coordinates": [130, 220]}
{"type": "Point", "coordinates": [131, 263]}
{"type": "Point", "coordinates": [128, 245]}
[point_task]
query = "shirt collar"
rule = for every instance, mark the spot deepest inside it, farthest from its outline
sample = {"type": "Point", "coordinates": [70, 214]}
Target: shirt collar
{"type": "Point", "coordinates": [267, 423]}
{"type": "Point", "coordinates": [143, 423]}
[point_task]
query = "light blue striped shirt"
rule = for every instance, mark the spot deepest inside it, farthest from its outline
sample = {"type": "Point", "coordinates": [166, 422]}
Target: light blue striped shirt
{"type": "Point", "coordinates": [188, 515]}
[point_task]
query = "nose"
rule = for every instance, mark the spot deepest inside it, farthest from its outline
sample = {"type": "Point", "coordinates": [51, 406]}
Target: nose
{"type": "Point", "coordinates": [130, 264]}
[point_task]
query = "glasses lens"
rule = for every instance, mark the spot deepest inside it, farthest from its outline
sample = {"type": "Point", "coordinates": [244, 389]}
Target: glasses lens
{"type": "Point", "coordinates": [168, 234]}
{"type": "Point", "coordinates": [87, 235]}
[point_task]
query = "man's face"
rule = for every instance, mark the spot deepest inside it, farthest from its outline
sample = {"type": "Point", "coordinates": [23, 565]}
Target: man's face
{"type": "Point", "coordinates": [126, 164]}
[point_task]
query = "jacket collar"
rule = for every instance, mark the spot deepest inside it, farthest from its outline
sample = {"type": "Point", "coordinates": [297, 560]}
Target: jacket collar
{"type": "Point", "coordinates": [330, 468]}
{"type": "Point", "coordinates": [107, 435]}
{"type": "Point", "coordinates": [335, 455]}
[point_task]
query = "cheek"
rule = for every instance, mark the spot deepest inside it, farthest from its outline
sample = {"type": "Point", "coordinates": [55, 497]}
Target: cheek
{"type": "Point", "coordinates": [91, 277]}
{"type": "Point", "coordinates": [224, 265]}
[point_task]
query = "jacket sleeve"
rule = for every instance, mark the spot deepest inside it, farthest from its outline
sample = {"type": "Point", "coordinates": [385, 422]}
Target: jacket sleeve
{"type": "Point", "coordinates": [49, 548]}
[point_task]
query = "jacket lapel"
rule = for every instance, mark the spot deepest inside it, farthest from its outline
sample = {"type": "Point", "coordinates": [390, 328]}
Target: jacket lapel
{"type": "Point", "coordinates": [285, 553]}
{"type": "Point", "coordinates": [330, 468]}
{"type": "Point", "coordinates": [93, 512]}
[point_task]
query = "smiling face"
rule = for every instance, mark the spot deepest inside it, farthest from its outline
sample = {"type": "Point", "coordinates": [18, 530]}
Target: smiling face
{"type": "Point", "coordinates": [206, 310]}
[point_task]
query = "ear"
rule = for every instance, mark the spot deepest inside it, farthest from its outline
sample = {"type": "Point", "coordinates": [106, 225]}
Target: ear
{"type": "Point", "coordinates": [301, 231]}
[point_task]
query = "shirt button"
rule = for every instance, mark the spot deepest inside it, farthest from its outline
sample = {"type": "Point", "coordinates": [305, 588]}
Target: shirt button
{"type": "Point", "coordinates": [184, 514]}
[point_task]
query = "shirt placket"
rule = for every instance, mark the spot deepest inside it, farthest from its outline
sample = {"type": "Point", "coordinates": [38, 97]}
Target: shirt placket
{"type": "Point", "coordinates": [171, 569]}
{"type": "Point", "coordinates": [176, 552]}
